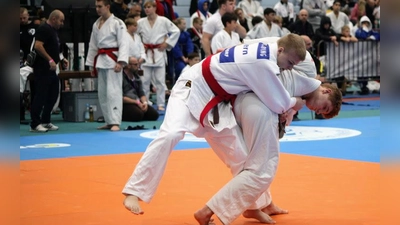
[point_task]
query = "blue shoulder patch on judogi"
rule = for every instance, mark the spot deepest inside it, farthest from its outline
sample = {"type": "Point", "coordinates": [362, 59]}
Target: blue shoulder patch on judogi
{"type": "Point", "coordinates": [262, 51]}
{"type": "Point", "coordinates": [227, 56]}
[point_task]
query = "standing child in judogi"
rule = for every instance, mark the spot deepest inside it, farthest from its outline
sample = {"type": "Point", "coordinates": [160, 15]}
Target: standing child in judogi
{"type": "Point", "coordinates": [158, 35]}
{"type": "Point", "coordinates": [227, 37]}
{"type": "Point", "coordinates": [136, 47]}
{"type": "Point", "coordinates": [107, 55]}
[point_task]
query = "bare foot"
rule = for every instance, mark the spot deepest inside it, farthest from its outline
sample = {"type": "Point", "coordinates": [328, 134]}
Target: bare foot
{"type": "Point", "coordinates": [203, 216]}
{"type": "Point", "coordinates": [131, 203]}
{"type": "Point", "coordinates": [114, 128]}
{"type": "Point", "coordinates": [272, 209]}
{"type": "Point", "coordinates": [259, 215]}
{"type": "Point", "coordinates": [104, 127]}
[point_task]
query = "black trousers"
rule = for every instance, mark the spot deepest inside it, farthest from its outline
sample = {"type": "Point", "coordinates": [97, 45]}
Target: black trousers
{"type": "Point", "coordinates": [46, 94]}
{"type": "Point", "coordinates": [132, 113]}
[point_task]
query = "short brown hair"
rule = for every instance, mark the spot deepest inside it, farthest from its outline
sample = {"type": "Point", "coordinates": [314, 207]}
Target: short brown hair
{"type": "Point", "coordinates": [130, 21]}
{"type": "Point", "coordinates": [336, 99]}
{"type": "Point", "coordinates": [295, 43]}
{"type": "Point", "coordinates": [106, 2]}
{"type": "Point", "coordinates": [149, 3]}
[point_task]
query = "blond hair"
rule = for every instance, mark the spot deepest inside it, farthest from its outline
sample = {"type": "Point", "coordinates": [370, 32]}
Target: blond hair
{"type": "Point", "coordinates": [293, 43]}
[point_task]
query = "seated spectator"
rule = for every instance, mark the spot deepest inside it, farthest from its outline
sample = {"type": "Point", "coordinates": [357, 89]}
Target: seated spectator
{"type": "Point", "coordinates": [346, 36]}
{"type": "Point", "coordinates": [242, 19]}
{"type": "Point", "coordinates": [227, 37]}
{"type": "Point", "coordinates": [193, 58]}
{"type": "Point", "coordinates": [358, 11]}
{"type": "Point", "coordinates": [302, 26]}
{"type": "Point", "coordinates": [338, 18]}
{"type": "Point", "coordinates": [256, 20]}
{"type": "Point", "coordinates": [135, 106]}
{"type": "Point", "coordinates": [324, 33]}
{"type": "Point", "coordinates": [365, 31]}
{"type": "Point", "coordinates": [266, 28]}
{"type": "Point", "coordinates": [279, 21]}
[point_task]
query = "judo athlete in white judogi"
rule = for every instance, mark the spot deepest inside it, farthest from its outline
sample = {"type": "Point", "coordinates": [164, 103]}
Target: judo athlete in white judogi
{"type": "Point", "coordinates": [259, 128]}
{"type": "Point", "coordinates": [158, 34]}
{"type": "Point", "coordinates": [195, 106]}
{"type": "Point", "coordinates": [227, 37]}
{"type": "Point", "coordinates": [201, 12]}
{"type": "Point", "coordinates": [108, 53]}
{"type": "Point", "coordinates": [136, 47]}
{"type": "Point", "coordinates": [266, 28]}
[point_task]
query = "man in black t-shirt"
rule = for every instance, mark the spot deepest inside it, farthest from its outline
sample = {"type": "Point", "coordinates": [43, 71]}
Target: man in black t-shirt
{"type": "Point", "coordinates": [47, 47]}
{"type": "Point", "coordinates": [27, 31]}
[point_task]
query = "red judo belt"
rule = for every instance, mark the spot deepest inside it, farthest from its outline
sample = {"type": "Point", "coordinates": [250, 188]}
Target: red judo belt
{"type": "Point", "coordinates": [109, 52]}
{"type": "Point", "coordinates": [220, 94]}
{"type": "Point", "coordinates": [151, 47]}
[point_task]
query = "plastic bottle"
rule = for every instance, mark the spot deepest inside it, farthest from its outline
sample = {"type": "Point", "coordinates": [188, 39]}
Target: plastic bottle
{"type": "Point", "coordinates": [87, 113]}
{"type": "Point", "coordinates": [91, 114]}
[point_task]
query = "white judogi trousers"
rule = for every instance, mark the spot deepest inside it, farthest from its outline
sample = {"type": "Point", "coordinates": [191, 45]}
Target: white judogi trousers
{"type": "Point", "coordinates": [253, 169]}
{"type": "Point", "coordinates": [155, 75]}
{"type": "Point", "coordinates": [110, 95]}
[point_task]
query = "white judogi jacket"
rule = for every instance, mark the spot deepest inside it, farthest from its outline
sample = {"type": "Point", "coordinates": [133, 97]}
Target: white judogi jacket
{"type": "Point", "coordinates": [284, 10]}
{"type": "Point", "coordinates": [223, 40]}
{"type": "Point", "coordinates": [261, 30]}
{"type": "Point", "coordinates": [214, 24]}
{"type": "Point", "coordinates": [254, 7]}
{"type": "Point", "coordinates": [136, 48]}
{"type": "Point", "coordinates": [202, 17]}
{"type": "Point", "coordinates": [112, 34]}
{"type": "Point", "coordinates": [163, 30]}
{"type": "Point", "coordinates": [238, 69]}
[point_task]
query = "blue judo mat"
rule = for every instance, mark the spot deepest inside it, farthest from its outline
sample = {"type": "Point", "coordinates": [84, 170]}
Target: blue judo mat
{"type": "Point", "coordinates": [347, 138]}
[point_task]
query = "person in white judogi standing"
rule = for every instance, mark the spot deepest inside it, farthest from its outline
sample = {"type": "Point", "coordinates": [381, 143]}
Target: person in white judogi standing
{"type": "Point", "coordinates": [285, 9]}
{"type": "Point", "coordinates": [214, 24]}
{"type": "Point", "coordinates": [136, 47]}
{"type": "Point", "coordinates": [227, 37]}
{"type": "Point", "coordinates": [266, 28]}
{"type": "Point", "coordinates": [158, 35]}
{"type": "Point", "coordinates": [107, 55]}
{"type": "Point", "coordinates": [194, 106]}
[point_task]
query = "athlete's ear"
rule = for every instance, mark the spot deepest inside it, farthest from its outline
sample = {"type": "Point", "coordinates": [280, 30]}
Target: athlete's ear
{"type": "Point", "coordinates": [281, 49]}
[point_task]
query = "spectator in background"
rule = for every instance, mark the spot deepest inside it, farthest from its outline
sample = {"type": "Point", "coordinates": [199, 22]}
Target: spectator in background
{"type": "Point", "coordinates": [302, 26]}
{"type": "Point", "coordinates": [158, 35]}
{"type": "Point", "coordinates": [285, 9]}
{"type": "Point", "coordinates": [47, 46]}
{"type": "Point", "coordinates": [338, 18]}
{"type": "Point", "coordinates": [358, 11]}
{"type": "Point", "coordinates": [365, 31]}
{"type": "Point", "coordinates": [135, 8]}
{"type": "Point", "coordinates": [316, 10]}
{"type": "Point", "coordinates": [324, 34]}
{"type": "Point", "coordinates": [135, 107]}
{"type": "Point", "coordinates": [196, 33]}
{"type": "Point", "coordinates": [256, 20]}
{"type": "Point", "coordinates": [214, 24]}
{"type": "Point", "coordinates": [107, 55]}
{"type": "Point", "coordinates": [119, 9]}
{"type": "Point", "coordinates": [267, 28]}
{"type": "Point", "coordinates": [251, 8]}
{"type": "Point", "coordinates": [164, 8]}
{"type": "Point", "coordinates": [136, 47]}
{"type": "Point", "coordinates": [27, 31]}
{"type": "Point", "coordinates": [183, 47]}
{"type": "Point", "coordinates": [193, 58]}
{"type": "Point", "coordinates": [346, 36]}
{"type": "Point", "coordinates": [278, 20]}
{"type": "Point", "coordinates": [242, 19]}
{"type": "Point", "coordinates": [227, 37]}
{"type": "Point", "coordinates": [202, 12]}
